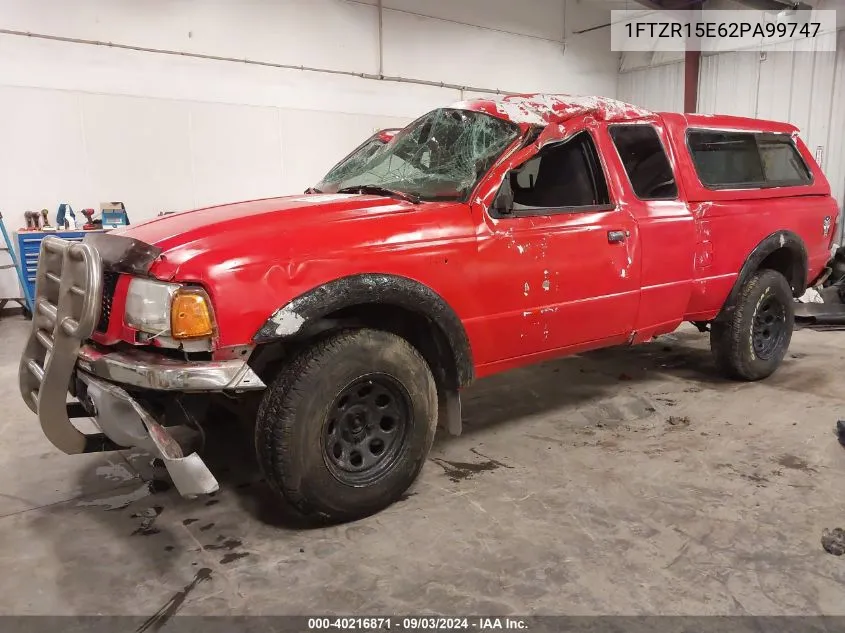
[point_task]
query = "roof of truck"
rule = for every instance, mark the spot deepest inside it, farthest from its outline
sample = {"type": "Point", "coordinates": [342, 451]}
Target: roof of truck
{"type": "Point", "coordinates": [543, 109]}
{"type": "Point", "coordinates": [727, 122]}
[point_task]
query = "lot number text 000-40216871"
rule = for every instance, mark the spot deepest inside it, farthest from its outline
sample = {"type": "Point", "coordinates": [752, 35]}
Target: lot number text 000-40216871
{"type": "Point", "coordinates": [417, 623]}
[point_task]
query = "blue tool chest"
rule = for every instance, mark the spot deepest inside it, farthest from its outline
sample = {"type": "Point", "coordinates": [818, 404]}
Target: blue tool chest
{"type": "Point", "coordinates": [29, 246]}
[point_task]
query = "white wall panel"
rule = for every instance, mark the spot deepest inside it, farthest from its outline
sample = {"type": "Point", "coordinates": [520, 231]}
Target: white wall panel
{"type": "Point", "coordinates": [633, 60]}
{"type": "Point", "coordinates": [235, 151]}
{"type": "Point", "coordinates": [98, 69]}
{"type": "Point", "coordinates": [138, 150]}
{"type": "Point", "coordinates": [727, 84]}
{"type": "Point", "coordinates": [438, 50]}
{"type": "Point", "coordinates": [326, 33]}
{"type": "Point", "coordinates": [660, 88]}
{"type": "Point", "coordinates": [42, 161]}
{"type": "Point", "coordinates": [821, 103]}
{"type": "Point", "coordinates": [536, 18]}
{"type": "Point", "coordinates": [44, 155]}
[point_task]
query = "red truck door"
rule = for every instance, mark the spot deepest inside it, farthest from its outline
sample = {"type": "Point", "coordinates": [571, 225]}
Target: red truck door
{"type": "Point", "coordinates": [637, 154]}
{"type": "Point", "coordinates": [563, 270]}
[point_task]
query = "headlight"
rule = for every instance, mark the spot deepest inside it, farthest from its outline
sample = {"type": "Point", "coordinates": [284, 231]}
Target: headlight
{"type": "Point", "coordinates": [148, 305]}
{"type": "Point", "coordinates": [155, 307]}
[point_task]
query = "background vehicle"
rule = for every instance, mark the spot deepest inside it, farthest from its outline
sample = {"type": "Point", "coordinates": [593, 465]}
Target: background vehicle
{"type": "Point", "coordinates": [483, 237]}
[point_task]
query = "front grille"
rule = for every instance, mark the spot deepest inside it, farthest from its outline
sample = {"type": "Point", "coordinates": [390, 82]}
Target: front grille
{"type": "Point", "coordinates": [109, 286]}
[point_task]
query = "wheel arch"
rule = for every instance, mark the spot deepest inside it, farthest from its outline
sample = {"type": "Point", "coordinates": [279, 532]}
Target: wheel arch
{"type": "Point", "coordinates": [783, 251]}
{"type": "Point", "coordinates": [393, 303]}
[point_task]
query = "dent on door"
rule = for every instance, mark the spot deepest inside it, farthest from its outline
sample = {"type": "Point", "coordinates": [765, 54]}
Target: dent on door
{"type": "Point", "coordinates": [561, 278]}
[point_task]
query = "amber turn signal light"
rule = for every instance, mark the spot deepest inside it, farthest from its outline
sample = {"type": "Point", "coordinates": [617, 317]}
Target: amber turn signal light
{"type": "Point", "coordinates": [190, 315]}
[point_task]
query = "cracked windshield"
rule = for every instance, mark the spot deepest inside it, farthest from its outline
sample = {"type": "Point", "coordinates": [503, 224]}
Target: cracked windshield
{"type": "Point", "coordinates": [440, 156]}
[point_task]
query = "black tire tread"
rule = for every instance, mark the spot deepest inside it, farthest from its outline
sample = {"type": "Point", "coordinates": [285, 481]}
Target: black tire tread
{"type": "Point", "coordinates": [273, 441]}
{"type": "Point", "coordinates": [727, 337]}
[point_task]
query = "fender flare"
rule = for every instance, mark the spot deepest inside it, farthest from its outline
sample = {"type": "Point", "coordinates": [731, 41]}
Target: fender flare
{"type": "Point", "coordinates": [373, 288]}
{"type": "Point", "coordinates": [776, 241]}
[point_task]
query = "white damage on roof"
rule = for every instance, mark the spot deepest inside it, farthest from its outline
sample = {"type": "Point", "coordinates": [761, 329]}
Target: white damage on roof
{"type": "Point", "coordinates": [520, 113]}
{"type": "Point", "coordinates": [541, 108]}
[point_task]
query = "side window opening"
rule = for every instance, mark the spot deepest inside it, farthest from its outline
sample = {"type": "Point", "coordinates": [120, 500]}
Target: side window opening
{"type": "Point", "coordinates": [645, 161]}
{"type": "Point", "coordinates": [562, 176]}
{"type": "Point", "coordinates": [781, 161]}
{"type": "Point", "coordinates": [746, 160]}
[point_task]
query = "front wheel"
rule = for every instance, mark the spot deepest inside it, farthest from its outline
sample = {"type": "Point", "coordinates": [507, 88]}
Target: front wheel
{"type": "Point", "coordinates": [752, 342]}
{"type": "Point", "coordinates": [346, 427]}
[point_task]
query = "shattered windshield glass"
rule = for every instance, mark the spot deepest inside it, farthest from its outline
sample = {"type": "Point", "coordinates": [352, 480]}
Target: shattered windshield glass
{"type": "Point", "coordinates": [440, 156]}
{"type": "Point", "coordinates": [359, 155]}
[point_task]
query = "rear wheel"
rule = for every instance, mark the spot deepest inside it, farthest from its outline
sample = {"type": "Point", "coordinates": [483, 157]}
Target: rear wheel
{"type": "Point", "coordinates": [345, 428]}
{"type": "Point", "coordinates": [752, 342]}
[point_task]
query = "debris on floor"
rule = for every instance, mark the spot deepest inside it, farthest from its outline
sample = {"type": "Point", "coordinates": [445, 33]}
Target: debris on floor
{"type": "Point", "coordinates": [833, 541]}
{"type": "Point", "coordinates": [678, 421]}
{"type": "Point", "coordinates": [148, 518]}
{"type": "Point", "coordinates": [840, 431]}
{"type": "Point", "coordinates": [811, 296]}
{"type": "Point", "coordinates": [459, 471]}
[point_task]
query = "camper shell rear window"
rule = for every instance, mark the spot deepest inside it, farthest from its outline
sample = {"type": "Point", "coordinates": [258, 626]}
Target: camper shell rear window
{"type": "Point", "coordinates": [746, 160]}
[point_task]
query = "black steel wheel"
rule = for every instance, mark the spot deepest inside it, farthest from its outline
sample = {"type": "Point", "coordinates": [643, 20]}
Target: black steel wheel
{"type": "Point", "coordinates": [768, 329]}
{"type": "Point", "coordinates": [346, 426]}
{"type": "Point", "coordinates": [750, 339]}
{"type": "Point", "coordinates": [365, 427]}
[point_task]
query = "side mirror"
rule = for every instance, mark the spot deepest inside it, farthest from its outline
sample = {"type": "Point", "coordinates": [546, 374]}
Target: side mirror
{"type": "Point", "coordinates": [503, 203]}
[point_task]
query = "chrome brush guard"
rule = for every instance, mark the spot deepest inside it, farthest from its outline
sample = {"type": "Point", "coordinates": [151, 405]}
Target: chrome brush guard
{"type": "Point", "coordinates": [66, 307]}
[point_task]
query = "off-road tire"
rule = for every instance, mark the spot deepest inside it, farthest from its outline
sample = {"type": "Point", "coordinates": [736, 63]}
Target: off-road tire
{"type": "Point", "coordinates": [732, 338]}
{"type": "Point", "coordinates": [294, 414]}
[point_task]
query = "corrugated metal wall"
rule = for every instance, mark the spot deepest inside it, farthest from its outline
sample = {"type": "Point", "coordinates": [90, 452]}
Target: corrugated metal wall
{"type": "Point", "coordinates": [659, 88]}
{"type": "Point", "coordinates": [803, 87]}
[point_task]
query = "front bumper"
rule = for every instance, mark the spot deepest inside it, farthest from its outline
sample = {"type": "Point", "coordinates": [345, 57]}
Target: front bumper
{"type": "Point", "coordinates": [145, 370]}
{"type": "Point", "coordinates": [66, 308]}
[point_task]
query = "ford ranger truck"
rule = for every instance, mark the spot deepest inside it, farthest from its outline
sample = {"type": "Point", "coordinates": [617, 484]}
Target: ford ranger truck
{"type": "Point", "coordinates": [344, 323]}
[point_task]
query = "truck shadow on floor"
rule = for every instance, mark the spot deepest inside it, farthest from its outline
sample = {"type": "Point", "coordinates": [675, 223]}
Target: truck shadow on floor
{"type": "Point", "coordinates": [571, 387]}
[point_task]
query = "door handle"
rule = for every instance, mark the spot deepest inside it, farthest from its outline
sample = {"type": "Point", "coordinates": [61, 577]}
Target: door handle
{"type": "Point", "coordinates": [615, 237]}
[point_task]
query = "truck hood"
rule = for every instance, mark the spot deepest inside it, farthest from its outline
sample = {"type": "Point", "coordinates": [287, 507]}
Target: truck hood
{"type": "Point", "coordinates": [259, 216]}
{"type": "Point", "coordinates": [232, 230]}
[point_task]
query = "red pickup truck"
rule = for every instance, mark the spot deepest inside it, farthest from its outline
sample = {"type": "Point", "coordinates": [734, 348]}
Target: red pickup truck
{"type": "Point", "coordinates": [344, 322]}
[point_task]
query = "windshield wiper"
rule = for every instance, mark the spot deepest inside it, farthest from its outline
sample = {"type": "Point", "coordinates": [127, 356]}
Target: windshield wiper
{"type": "Point", "coordinates": [379, 190]}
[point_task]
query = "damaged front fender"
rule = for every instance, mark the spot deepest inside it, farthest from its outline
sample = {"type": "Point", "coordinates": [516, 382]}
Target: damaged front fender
{"type": "Point", "coordinates": [306, 310]}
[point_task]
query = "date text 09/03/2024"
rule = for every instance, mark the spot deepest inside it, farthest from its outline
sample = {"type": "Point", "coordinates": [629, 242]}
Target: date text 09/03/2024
{"type": "Point", "coordinates": [417, 623]}
{"type": "Point", "coordinates": [710, 30]}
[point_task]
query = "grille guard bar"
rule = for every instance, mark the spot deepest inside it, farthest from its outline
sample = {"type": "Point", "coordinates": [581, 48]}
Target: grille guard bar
{"type": "Point", "coordinates": [55, 361]}
{"type": "Point", "coordinates": [66, 307]}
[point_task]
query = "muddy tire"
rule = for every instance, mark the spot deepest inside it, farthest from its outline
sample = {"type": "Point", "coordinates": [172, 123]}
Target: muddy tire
{"type": "Point", "coordinates": [751, 343]}
{"type": "Point", "coordinates": [346, 427]}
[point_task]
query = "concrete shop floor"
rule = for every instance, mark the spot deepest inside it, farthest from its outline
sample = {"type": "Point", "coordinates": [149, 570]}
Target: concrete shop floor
{"type": "Point", "coordinates": [625, 481]}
